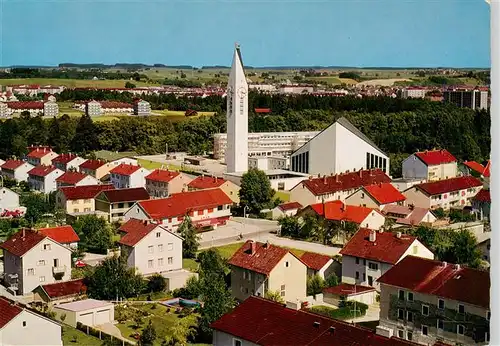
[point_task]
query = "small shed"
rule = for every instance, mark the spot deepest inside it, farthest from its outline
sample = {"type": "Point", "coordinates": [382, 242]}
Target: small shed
{"type": "Point", "coordinates": [363, 294]}
{"type": "Point", "coordinates": [89, 312]}
{"type": "Point", "coordinates": [60, 292]}
{"type": "Point", "coordinates": [286, 209]}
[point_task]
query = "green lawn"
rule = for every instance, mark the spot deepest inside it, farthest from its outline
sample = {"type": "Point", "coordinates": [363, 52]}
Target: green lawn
{"type": "Point", "coordinates": [283, 195]}
{"type": "Point", "coordinates": [72, 336]}
{"type": "Point", "coordinates": [190, 264]}
{"type": "Point", "coordinates": [111, 155]}
{"type": "Point", "coordinates": [73, 83]}
{"type": "Point", "coordinates": [148, 164]}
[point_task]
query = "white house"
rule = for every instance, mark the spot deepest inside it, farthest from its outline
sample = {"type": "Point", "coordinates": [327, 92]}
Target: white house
{"type": "Point", "coordinates": [376, 196]}
{"type": "Point", "coordinates": [20, 326]}
{"type": "Point", "coordinates": [64, 235]}
{"type": "Point", "coordinates": [445, 194]}
{"type": "Point", "coordinates": [73, 178]}
{"type": "Point", "coordinates": [369, 254]}
{"type": "Point", "coordinates": [341, 147]}
{"type": "Point", "coordinates": [9, 200]}
{"type": "Point", "coordinates": [335, 187]}
{"type": "Point", "coordinates": [319, 264]}
{"type": "Point", "coordinates": [150, 248]}
{"type": "Point", "coordinates": [43, 178]}
{"type": "Point", "coordinates": [431, 165]}
{"type": "Point", "coordinates": [161, 183]}
{"type": "Point", "coordinates": [409, 215]}
{"type": "Point", "coordinates": [126, 176]}
{"type": "Point", "coordinates": [286, 209]}
{"type": "Point", "coordinates": [67, 162]}
{"type": "Point", "coordinates": [16, 170]}
{"type": "Point", "coordinates": [31, 259]}
{"type": "Point", "coordinates": [41, 156]}
{"type": "Point", "coordinates": [206, 208]}
{"type": "Point", "coordinates": [89, 312]}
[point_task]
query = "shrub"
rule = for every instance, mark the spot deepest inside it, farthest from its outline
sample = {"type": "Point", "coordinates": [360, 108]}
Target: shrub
{"type": "Point", "coordinates": [157, 283]}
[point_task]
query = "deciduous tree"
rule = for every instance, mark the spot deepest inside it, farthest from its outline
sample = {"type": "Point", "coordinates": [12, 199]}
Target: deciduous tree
{"type": "Point", "coordinates": [255, 192]}
{"type": "Point", "coordinates": [190, 237]}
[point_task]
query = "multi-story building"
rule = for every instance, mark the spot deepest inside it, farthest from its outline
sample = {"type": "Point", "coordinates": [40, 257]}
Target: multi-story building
{"type": "Point", "coordinates": [206, 208]}
{"type": "Point", "coordinates": [262, 144]}
{"type": "Point", "coordinates": [99, 169]}
{"type": "Point", "coordinates": [43, 178]}
{"type": "Point", "coordinates": [467, 98]}
{"type": "Point", "coordinates": [370, 254]}
{"type": "Point", "coordinates": [430, 165]}
{"type": "Point", "coordinates": [445, 194]}
{"type": "Point", "coordinates": [259, 268]}
{"type": "Point", "coordinates": [127, 176]}
{"type": "Point", "coordinates": [414, 92]}
{"type": "Point", "coordinates": [16, 170]}
{"type": "Point", "coordinates": [31, 259]}
{"type": "Point", "coordinates": [64, 235]}
{"type": "Point", "coordinates": [79, 199]}
{"type": "Point", "coordinates": [438, 301]}
{"type": "Point", "coordinates": [50, 109]}
{"type": "Point", "coordinates": [142, 107]}
{"type": "Point", "coordinates": [269, 162]}
{"type": "Point", "coordinates": [150, 248]}
{"type": "Point", "coordinates": [68, 162]}
{"type": "Point", "coordinates": [75, 179]}
{"type": "Point", "coordinates": [162, 183]}
{"type": "Point", "coordinates": [115, 203]}
{"type": "Point", "coordinates": [93, 108]}
{"type": "Point", "coordinates": [4, 110]}
{"type": "Point", "coordinates": [40, 156]}
{"type": "Point", "coordinates": [33, 107]}
{"type": "Point", "coordinates": [228, 187]}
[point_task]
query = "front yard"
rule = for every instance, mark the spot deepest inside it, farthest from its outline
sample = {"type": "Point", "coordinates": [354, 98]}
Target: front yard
{"type": "Point", "coordinates": [72, 336]}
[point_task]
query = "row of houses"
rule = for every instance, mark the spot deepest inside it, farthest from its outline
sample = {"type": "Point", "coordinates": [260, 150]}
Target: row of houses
{"type": "Point", "coordinates": [46, 108]}
{"type": "Point", "coordinates": [94, 108]}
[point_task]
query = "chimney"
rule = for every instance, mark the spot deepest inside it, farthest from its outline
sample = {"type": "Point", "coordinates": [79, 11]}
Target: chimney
{"type": "Point", "coordinates": [319, 175]}
{"type": "Point", "coordinates": [324, 179]}
{"type": "Point", "coordinates": [398, 235]}
{"type": "Point", "coordinates": [253, 247]}
{"type": "Point", "coordinates": [373, 236]}
{"type": "Point", "coordinates": [332, 330]}
{"type": "Point", "coordinates": [202, 176]}
{"type": "Point", "coordinates": [456, 267]}
{"type": "Point", "coordinates": [336, 178]}
{"type": "Point", "coordinates": [24, 232]}
{"type": "Point", "coordinates": [316, 324]}
{"type": "Point", "coordinates": [266, 245]}
{"type": "Point", "coordinates": [445, 264]}
{"type": "Point", "coordinates": [361, 173]}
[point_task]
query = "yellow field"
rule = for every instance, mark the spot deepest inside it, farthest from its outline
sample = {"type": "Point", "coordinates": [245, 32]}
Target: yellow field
{"type": "Point", "coordinates": [348, 81]}
{"type": "Point", "coordinates": [168, 113]}
{"type": "Point", "coordinates": [74, 83]}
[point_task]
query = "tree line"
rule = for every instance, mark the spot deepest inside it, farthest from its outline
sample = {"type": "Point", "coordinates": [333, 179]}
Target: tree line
{"type": "Point", "coordinates": [25, 72]}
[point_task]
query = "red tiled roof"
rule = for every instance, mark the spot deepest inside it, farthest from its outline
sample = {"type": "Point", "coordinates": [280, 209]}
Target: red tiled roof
{"type": "Point", "coordinates": [436, 157]}
{"type": "Point", "coordinates": [12, 164]}
{"type": "Point", "coordinates": [387, 248]}
{"type": "Point", "coordinates": [135, 230]}
{"type": "Point", "coordinates": [336, 210]}
{"type": "Point", "coordinates": [384, 193]}
{"type": "Point", "coordinates": [93, 164]}
{"type": "Point", "coordinates": [65, 158]}
{"type": "Point", "coordinates": [71, 177]}
{"type": "Point", "coordinates": [124, 169]}
{"type": "Point", "coordinates": [265, 258]}
{"type": "Point", "coordinates": [449, 185]}
{"type": "Point", "coordinates": [8, 310]}
{"type": "Point", "coordinates": [84, 192]}
{"type": "Point", "coordinates": [62, 234]}
{"type": "Point", "coordinates": [347, 181]}
{"type": "Point", "coordinates": [41, 170]}
{"type": "Point", "coordinates": [290, 206]}
{"type": "Point", "coordinates": [487, 169]}
{"type": "Point", "coordinates": [483, 196]}
{"type": "Point", "coordinates": [178, 204]}
{"type": "Point", "coordinates": [126, 195]}
{"type": "Point", "coordinates": [38, 153]}
{"type": "Point", "coordinates": [479, 168]}
{"type": "Point", "coordinates": [262, 110]}
{"type": "Point", "coordinates": [19, 245]}
{"type": "Point", "coordinates": [203, 182]}
{"type": "Point", "coordinates": [412, 216]}
{"type": "Point", "coordinates": [25, 104]}
{"type": "Point", "coordinates": [65, 289]}
{"type": "Point", "coordinates": [431, 277]}
{"type": "Point", "coordinates": [315, 261]}
{"type": "Point", "coordinates": [267, 323]}
{"type": "Point", "coordinates": [162, 175]}
{"type": "Point", "coordinates": [347, 289]}
{"type": "Point", "coordinates": [113, 104]}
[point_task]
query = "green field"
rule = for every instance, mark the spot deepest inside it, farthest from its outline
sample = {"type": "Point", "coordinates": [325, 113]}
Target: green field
{"type": "Point", "coordinates": [74, 83]}
{"type": "Point", "coordinates": [148, 164]}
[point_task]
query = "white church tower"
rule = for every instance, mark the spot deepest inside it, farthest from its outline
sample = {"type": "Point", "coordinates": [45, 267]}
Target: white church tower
{"type": "Point", "coordinates": [237, 117]}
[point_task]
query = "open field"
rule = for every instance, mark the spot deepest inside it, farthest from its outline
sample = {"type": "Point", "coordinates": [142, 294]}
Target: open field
{"type": "Point", "coordinates": [73, 83]}
{"type": "Point", "coordinates": [148, 164]}
{"type": "Point", "coordinates": [382, 82]}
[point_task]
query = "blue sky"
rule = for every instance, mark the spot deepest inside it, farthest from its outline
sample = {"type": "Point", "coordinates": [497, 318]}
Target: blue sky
{"type": "Point", "coordinates": [393, 33]}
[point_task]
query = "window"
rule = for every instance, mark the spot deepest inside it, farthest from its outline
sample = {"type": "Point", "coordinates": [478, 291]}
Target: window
{"type": "Point", "coordinates": [441, 304]}
{"type": "Point", "coordinates": [415, 249]}
{"type": "Point", "coordinates": [373, 266]}
{"type": "Point", "coordinates": [158, 234]}
{"type": "Point", "coordinates": [46, 247]}
{"type": "Point", "coordinates": [160, 247]}
{"type": "Point", "coordinates": [31, 272]}
{"type": "Point", "coordinates": [150, 263]}
{"type": "Point", "coordinates": [150, 249]}
{"type": "Point", "coordinates": [287, 264]}
{"type": "Point", "coordinates": [41, 262]}
{"type": "Point", "coordinates": [170, 246]}
{"type": "Point", "coordinates": [461, 309]}
{"type": "Point", "coordinates": [364, 262]}
{"type": "Point", "coordinates": [24, 323]}
{"type": "Point", "coordinates": [440, 324]}
{"type": "Point", "coordinates": [401, 334]}
{"type": "Point", "coordinates": [364, 277]}
{"type": "Point", "coordinates": [425, 330]}
{"type": "Point", "coordinates": [160, 262]}
{"type": "Point", "coordinates": [409, 336]}
{"type": "Point", "coordinates": [357, 260]}
{"type": "Point", "coordinates": [401, 295]}
{"type": "Point", "coordinates": [488, 315]}
{"type": "Point", "coordinates": [410, 296]}
{"type": "Point", "coordinates": [282, 290]}
{"type": "Point", "coordinates": [42, 278]}
{"type": "Point", "coordinates": [401, 314]}
{"type": "Point", "coordinates": [460, 329]}
{"type": "Point", "coordinates": [409, 316]}
{"type": "Point", "coordinates": [357, 275]}
{"type": "Point", "coordinates": [425, 310]}
{"type": "Point", "coordinates": [237, 342]}
{"type": "Point", "coordinates": [170, 260]}
{"type": "Point", "coordinates": [362, 195]}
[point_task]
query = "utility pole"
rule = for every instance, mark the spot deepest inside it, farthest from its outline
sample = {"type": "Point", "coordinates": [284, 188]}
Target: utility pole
{"type": "Point", "coordinates": [166, 151]}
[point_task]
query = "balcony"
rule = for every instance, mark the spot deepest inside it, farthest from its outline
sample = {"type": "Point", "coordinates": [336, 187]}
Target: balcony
{"type": "Point", "coordinates": [59, 270]}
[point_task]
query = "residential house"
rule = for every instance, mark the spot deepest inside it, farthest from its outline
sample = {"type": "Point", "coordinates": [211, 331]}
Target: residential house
{"type": "Point", "coordinates": [263, 322]}
{"type": "Point", "coordinates": [99, 169]}
{"type": "Point", "coordinates": [89, 312]}
{"type": "Point", "coordinates": [286, 209]}
{"type": "Point", "coordinates": [229, 188]}
{"type": "Point", "coordinates": [20, 326]}
{"type": "Point", "coordinates": [16, 170]}
{"type": "Point", "coordinates": [370, 254]}
{"type": "Point", "coordinates": [79, 199]}
{"type": "Point", "coordinates": [127, 176]}
{"type": "Point", "coordinates": [64, 235]}
{"type": "Point", "coordinates": [43, 178]}
{"type": "Point", "coordinates": [142, 108]}
{"type": "Point", "coordinates": [409, 215]}
{"type": "Point", "coordinates": [206, 209]}
{"type": "Point", "coordinates": [481, 204]}
{"type": "Point", "coordinates": [1, 163]}
{"type": "Point", "coordinates": [76, 179]}
{"type": "Point", "coordinates": [445, 194]}
{"type": "Point", "coordinates": [150, 248]}
{"type": "Point", "coordinates": [338, 211]}
{"type": "Point", "coordinates": [9, 200]}
{"type": "Point", "coordinates": [41, 156]}
{"type": "Point", "coordinates": [259, 268]}
{"type": "Point", "coordinates": [335, 187]}
{"type": "Point", "coordinates": [50, 109]}
{"type": "Point", "coordinates": [485, 247]}
{"type": "Point", "coordinates": [431, 165]}
{"type": "Point", "coordinates": [125, 161]}
{"type": "Point", "coordinates": [376, 196]}
{"type": "Point", "coordinates": [161, 183]}
{"type": "Point", "coordinates": [439, 301]}
{"type": "Point", "coordinates": [478, 170]}
{"type": "Point", "coordinates": [318, 264]}
{"type": "Point", "coordinates": [31, 258]}
{"type": "Point", "coordinates": [68, 162]}
{"type": "Point", "coordinates": [60, 292]}
{"type": "Point", "coordinates": [403, 184]}
{"type": "Point", "coordinates": [115, 203]}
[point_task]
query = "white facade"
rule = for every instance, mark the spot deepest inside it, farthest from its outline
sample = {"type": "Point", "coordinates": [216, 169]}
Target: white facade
{"type": "Point", "coordinates": [88, 180]}
{"type": "Point", "coordinates": [262, 144]}
{"type": "Point", "coordinates": [28, 328]}
{"type": "Point", "coordinates": [337, 149]}
{"type": "Point", "coordinates": [4, 110]}
{"type": "Point", "coordinates": [45, 184]}
{"type": "Point", "coordinates": [9, 200]}
{"type": "Point", "coordinates": [237, 117]}
{"type": "Point", "coordinates": [50, 109]}
{"type": "Point", "coordinates": [126, 161]}
{"type": "Point", "coordinates": [89, 312]}
{"type": "Point", "coordinates": [71, 165]}
{"type": "Point", "coordinates": [159, 251]}
{"type": "Point", "coordinates": [414, 168]}
{"type": "Point", "coordinates": [413, 92]}
{"type": "Point", "coordinates": [268, 163]}
{"type": "Point", "coordinates": [446, 200]}
{"type": "Point", "coordinates": [136, 179]}
{"type": "Point", "coordinates": [281, 180]}
{"type": "Point", "coordinates": [93, 108]}
{"type": "Point", "coordinates": [142, 108]}
{"type": "Point", "coordinates": [403, 184]}
{"type": "Point", "coordinates": [18, 174]}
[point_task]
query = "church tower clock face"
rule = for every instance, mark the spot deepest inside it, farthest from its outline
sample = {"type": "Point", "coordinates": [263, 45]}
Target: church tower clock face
{"type": "Point", "coordinates": [242, 92]}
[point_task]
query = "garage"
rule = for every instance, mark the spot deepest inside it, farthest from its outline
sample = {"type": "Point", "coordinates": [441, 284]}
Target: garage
{"type": "Point", "coordinates": [89, 312]}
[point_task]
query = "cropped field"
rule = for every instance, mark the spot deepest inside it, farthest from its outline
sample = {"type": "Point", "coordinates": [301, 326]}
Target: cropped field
{"type": "Point", "coordinates": [73, 83]}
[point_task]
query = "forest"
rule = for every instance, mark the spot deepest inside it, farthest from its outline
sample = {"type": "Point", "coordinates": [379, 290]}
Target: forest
{"type": "Point", "coordinates": [399, 127]}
